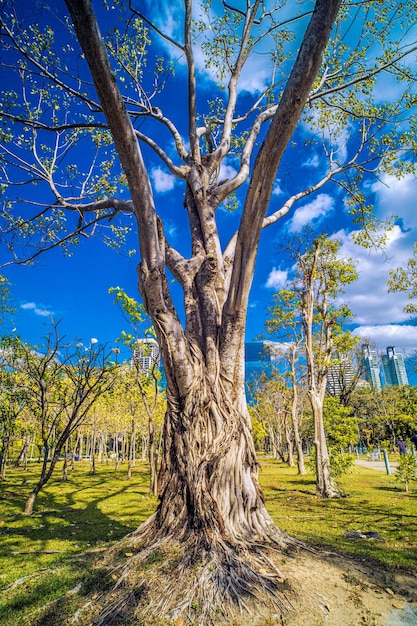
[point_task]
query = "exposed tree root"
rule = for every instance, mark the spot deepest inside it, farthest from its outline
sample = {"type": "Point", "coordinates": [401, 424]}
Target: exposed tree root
{"type": "Point", "coordinates": [195, 581]}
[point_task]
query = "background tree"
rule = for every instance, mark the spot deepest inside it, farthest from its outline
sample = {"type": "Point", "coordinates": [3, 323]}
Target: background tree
{"type": "Point", "coordinates": [61, 385]}
{"type": "Point", "coordinates": [12, 396]}
{"type": "Point", "coordinates": [319, 277]}
{"type": "Point", "coordinates": [342, 434]}
{"type": "Point", "coordinates": [286, 327]}
{"type": "Point", "coordinates": [209, 491]}
{"type": "Point", "coordinates": [406, 471]}
{"type": "Point", "coordinates": [146, 379]}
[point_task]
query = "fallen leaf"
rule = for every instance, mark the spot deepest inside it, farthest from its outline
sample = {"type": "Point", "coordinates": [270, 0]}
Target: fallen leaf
{"type": "Point", "coordinates": [390, 591]}
{"type": "Point", "coordinates": [179, 621]}
{"type": "Point", "coordinates": [128, 553]}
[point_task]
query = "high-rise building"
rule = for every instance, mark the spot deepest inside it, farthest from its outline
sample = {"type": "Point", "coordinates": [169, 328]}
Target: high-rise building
{"type": "Point", "coordinates": [339, 377]}
{"type": "Point", "coordinates": [146, 354]}
{"type": "Point", "coordinates": [394, 368]}
{"type": "Point", "coordinates": [371, 366]}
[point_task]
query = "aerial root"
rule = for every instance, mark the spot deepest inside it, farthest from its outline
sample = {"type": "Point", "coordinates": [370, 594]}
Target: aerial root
{"type": "Point", "coordinates": [212, 586]}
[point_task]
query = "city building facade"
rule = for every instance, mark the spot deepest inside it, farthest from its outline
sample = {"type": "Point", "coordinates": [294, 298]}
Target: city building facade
{"type": "Point", "coordinates": [371, 367]}
{"type": "Point", "coordinates": [340, 377]}
{"type": "Point", "coordinates": [146, 354]}
{"type": "Point", "coordinates": [393, 366]}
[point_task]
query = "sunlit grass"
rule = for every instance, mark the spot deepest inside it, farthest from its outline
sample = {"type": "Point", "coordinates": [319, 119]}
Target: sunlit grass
{"type": "Point", "coordinates": [52, 550]}
{"type": "Point", "coordinates": [374, 502]}
{"type": "Point", "coordinates": [45, 556]}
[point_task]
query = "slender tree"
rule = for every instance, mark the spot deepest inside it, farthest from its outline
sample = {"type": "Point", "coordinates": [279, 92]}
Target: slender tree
{"type": "Point", "coordinates": [284, 325]}
{"type": "Point", "coordinates": [308, 304]}
{"type": "Point", "coordinates": [12, 396]}
{"type": "Point", "coordinates": [210, 500]}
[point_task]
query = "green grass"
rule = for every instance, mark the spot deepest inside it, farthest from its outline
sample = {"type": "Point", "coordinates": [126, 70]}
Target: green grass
{"type": "Point", "coordinates": [375, 502]}
{"type": "Point", "coordinates": [45, 556]}
{"type": "Point", "coordinates": [53, 550]}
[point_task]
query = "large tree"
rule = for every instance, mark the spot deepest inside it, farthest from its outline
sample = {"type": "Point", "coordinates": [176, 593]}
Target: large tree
{"type": "Point", "coordinates": [210, 501]}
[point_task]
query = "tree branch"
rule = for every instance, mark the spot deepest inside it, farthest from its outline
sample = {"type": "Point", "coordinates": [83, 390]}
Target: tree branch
{"type": "Point", "coordinates": [192, 104]}
{"type": "Point", "coordinates": [286, 117]}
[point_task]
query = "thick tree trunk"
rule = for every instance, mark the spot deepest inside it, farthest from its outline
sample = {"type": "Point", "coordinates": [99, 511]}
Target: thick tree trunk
{"type": "Point", "coordinates": [209, 478]}
{"type": "Point", "coordinates": [211, 509]}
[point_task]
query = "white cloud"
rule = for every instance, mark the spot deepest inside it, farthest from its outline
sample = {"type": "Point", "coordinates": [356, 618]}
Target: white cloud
{"type": "Point", "coordinates": [398, 197]}
{"type": "Point", "coordinates": [227, 172]}
{"type": "Point", "coordinates": [277, 191]}
{"type": "Point", "coordinates": [320, 207]}
{"type": "Point", "coordinates": [375, 309]}
{"type": "Point", "coordinates": [278, 349]}
{"type": "Point", "coordinates": [403, 337]}
{"type": "Point", "coordinates": [162, 181]}
{"type": "Point", "coordinates": [32, 306]}
{"type": "Point", "coordinates": [368, 296]}
{"type": "Point", "coordinates": [314, 161]}
{"type": "Point", "coordinates": [277, 279]}
{"type": "Point", "coordinates": [170, 228]}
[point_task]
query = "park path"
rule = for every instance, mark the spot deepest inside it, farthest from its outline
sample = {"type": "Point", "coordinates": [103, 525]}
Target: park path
{"type": "Point", "coordinates": [376, 465]}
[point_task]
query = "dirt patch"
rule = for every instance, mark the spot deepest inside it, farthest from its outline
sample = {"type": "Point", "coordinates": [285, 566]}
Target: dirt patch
{"type": "Point", "coordinates": [334, 590]}
{"type": "Point", "coordinates": [319, 589]}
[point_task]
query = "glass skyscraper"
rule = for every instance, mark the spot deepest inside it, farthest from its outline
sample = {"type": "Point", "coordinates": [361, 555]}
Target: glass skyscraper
{"type": "Point", "coordinates": [371, 366]}
{"type": "Point", "coordinates": [394, 368]}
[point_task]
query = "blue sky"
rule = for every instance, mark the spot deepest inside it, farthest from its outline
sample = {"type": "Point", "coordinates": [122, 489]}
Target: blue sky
{"type": "Point", "coordinates": [74, 288]}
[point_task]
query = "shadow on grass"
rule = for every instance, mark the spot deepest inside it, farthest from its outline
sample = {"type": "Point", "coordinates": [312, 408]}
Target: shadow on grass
{"type": "Point", "coordinates": [42, 557]}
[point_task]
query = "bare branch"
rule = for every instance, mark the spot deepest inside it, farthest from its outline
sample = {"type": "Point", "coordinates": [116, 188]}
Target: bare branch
{"type": "Point", "coordinates": [192, 103]}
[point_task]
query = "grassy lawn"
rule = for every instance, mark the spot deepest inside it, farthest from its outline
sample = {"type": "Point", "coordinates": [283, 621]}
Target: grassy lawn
{"type": "Point", "coordinates": [47, 555]}
{"type": "Point", "coordinates": [375, 502]}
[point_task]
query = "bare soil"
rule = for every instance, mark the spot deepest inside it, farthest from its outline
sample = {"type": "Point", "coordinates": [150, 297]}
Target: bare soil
{"type": "Point", "coordinates": [320, 589]}
{"type": "Point", "coordinates": [335, 591]}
